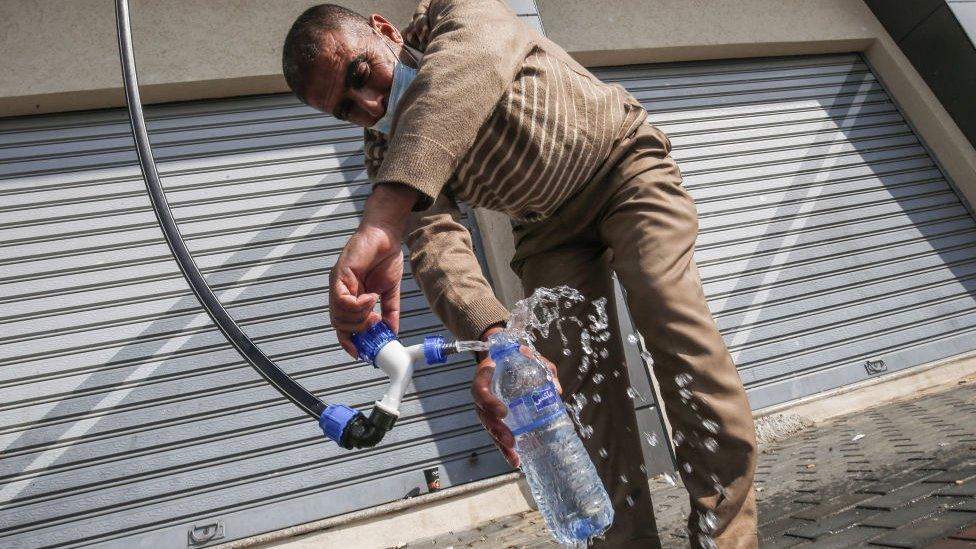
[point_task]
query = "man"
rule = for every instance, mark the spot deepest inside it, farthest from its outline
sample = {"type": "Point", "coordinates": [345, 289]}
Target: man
{"type": "Point", "coordinates": [469, 104]}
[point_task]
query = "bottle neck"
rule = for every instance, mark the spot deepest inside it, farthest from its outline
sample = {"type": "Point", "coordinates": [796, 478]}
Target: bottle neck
{"type": "Point", "coordinates": [498, 351]}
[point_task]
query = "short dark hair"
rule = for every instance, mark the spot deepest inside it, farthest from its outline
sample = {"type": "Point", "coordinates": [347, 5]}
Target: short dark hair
{"type": "Point", "coordinates": [303, 43]}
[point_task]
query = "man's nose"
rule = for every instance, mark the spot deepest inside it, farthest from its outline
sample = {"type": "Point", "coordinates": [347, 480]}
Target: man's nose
{"type": "Point", "coordinates": [370, 101]}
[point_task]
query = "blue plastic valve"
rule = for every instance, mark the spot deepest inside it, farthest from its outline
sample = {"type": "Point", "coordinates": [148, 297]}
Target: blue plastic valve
{"type": "Point", "coordinates": [334, 419]}
{"type": "Point", "coordinates": [370, 342]}
{"type": "Point", "coordinates": [434, 350]}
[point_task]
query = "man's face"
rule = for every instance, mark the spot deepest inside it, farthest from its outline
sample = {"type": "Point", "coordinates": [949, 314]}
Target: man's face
{"type": "Point", "coordinates": [351, 79]}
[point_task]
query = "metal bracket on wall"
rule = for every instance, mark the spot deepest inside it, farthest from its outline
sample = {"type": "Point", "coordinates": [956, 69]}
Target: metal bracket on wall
{"type": "Point", "coordinates": [875, 366]}
{"type": "Point", "coordinates": [200, 534]}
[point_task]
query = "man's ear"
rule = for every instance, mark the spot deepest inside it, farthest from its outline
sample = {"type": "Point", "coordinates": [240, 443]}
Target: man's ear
{"type": "Point", "coordinates": [385, 28]}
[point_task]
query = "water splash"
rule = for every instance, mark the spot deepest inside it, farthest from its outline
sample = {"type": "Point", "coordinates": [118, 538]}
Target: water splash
{"type": "Point", "coordinates": [669, 479]}
{"type": "Point", "coordinates": [711, 444]}
{"type": "Point", "coordinates": [706, 541]}
{"type": "Point", "coordinates": [707, 521]}
{"type": "Point", "coordinates": [547, 310]}
{"type": "Point", "coordinates": [678, 437]}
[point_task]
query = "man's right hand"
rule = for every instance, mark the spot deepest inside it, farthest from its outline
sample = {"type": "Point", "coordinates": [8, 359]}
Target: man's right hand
{"type": "Point", "coordinates": [492, 411]}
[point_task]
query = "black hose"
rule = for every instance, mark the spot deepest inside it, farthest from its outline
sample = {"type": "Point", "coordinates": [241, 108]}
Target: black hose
{"type": "Point", "coordinates": [268, 369]}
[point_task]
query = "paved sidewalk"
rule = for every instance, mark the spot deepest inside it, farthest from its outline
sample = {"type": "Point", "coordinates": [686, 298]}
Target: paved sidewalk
{"type": "Point", "coordinates": [901, 474]}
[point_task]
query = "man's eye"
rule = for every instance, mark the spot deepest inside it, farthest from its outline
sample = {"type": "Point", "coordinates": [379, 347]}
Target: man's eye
{"type": "Point", "coordinates": [362, 75]}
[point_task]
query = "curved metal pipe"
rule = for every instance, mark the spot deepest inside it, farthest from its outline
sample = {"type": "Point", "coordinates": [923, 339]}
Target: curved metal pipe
{"type": "Point", "coordinates": [257, 359]}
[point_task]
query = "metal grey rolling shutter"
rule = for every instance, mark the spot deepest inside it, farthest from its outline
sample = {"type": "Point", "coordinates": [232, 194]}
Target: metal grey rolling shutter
{"type": "Point", "coordinates": [125, 418]}
{"type": "Point", "coordinates": [831, 246]}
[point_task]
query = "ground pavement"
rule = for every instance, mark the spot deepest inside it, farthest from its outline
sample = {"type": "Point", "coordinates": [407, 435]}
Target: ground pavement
{"type": "Point", "coordinates": [901, 474]}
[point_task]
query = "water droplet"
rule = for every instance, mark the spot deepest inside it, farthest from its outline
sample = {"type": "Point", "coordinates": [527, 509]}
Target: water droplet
{"type": "Point", "coordinates": [598, 378]}
{"type": "Point", "coordinates": [717, 485]}
{"type": "Point", "coordinates": [669, 478]}
{"type": "Point", "coordinates": [687, 467]}
{"type": "Point", "coordinates": [604, 353]}
{"type": "Point", "coordinates": [857, 437]}
{"type": "Point", "coordinates": [706, 542]}
{"type": "Point", "coordinates": [707, 521]}
{"type": "Point", "coordinates": [684, 393]}
{"type": "Point", "coordinates": [586, 431]}
{"type": "Point", "coordinates": [597, 398]}
{"type": "Point", "coordinates": [603, 453]}
{"type": "Point", "coordinates": [651, 438]}
{"type": "Point", "coordinates": [623, 479]}
{"type": "Point", "coordinates": [632, 339]}
{"type": "Point", "coordinates": [678, 437]}
{"type": "Point", "coordinates": [711, 444]}
{"type": "Point", "coordinates": [710, 425]}
{"type": "Point", "coordinates": [616, 373]}
{"type": "Point", "coordinates": [567, 352]}
{"type": "Point", "coordinates": [630, 501]}
{"type": "Point", "coordinates": [683, 380]}
{"type": "Point", "coordinates": [634, 394]}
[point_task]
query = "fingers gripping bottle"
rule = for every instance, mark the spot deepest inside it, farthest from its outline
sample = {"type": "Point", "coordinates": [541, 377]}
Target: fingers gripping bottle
{"type": "Point", "coordinates": [561, 475]}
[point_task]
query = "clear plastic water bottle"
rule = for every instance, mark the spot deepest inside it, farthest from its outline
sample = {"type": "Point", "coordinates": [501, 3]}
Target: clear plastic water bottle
{"type": "Point", "coordinates": [561, 475]}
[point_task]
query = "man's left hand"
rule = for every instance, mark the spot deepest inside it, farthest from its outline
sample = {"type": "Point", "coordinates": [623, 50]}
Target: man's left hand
{"type": "Point", "coordinates": [370, 267]}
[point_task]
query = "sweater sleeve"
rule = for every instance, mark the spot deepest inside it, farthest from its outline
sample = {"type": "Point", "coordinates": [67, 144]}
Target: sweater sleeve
{"type": "Point", "coordinates": [445, 267]}
{"type": "Point", "coordinates": [475, 48]}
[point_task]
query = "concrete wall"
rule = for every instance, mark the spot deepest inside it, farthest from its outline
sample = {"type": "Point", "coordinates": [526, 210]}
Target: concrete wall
{"type": "Point", "coordinates": [63, 55]}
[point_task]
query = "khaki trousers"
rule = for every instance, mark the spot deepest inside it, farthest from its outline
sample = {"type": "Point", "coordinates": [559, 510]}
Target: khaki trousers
{"type": "Point", "coordinates": [636, 219]}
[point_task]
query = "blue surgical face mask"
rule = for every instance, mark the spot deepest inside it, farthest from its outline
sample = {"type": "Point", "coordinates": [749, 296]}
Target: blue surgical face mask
{"type": "Point", "coordinates": [402, 77]}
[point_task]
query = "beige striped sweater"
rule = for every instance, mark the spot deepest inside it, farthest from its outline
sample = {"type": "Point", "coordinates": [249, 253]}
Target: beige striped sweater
{"type": "Point", "coordinates": [498, 117]}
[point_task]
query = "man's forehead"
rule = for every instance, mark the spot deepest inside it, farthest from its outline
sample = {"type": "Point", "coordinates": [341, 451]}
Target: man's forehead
{"type": "Point", "coordinates": [336, 50]}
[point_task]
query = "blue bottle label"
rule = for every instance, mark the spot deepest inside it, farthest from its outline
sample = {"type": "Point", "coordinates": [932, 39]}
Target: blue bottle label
{"type": "Point", "coordinates": [534, 409]}
{"type": "Point", "coordinates": [544, 396]}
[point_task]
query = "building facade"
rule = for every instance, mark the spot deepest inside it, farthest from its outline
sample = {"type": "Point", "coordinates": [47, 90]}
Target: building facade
{"type": "Point", "coordinates": [836, 247]}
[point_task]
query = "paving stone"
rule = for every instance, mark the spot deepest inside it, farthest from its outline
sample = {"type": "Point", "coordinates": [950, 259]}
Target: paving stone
{"type": "Point", "coordinates": [782, 525]}
{"type": "Point", "coordinates": [782, 542]}
{"type": "Point", "coordinates": [968, 505]}
{"type": "Point", "coordinates": [966, 534]}
{"type": "Point", "coordinates": [831, 524]}
{"type": "Point", "coordinates": [848, 538]}
{"type": "Point", "coordinates": [901, 497]}
{"type": "Point", "coordinates": [832, 506]}
{"type": "Point", "coordinates": [905, 515]}
{"type": "Point", "coordinates": [963, 489]}
{"type": "Point", "coordinates": [959, 475]}
{"type": "Point", "coordinates": [894, 482]}
{"type": "Point", "coordinates": [950, 544]}
{"type": "Point", "coordinates": [932, 529]}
